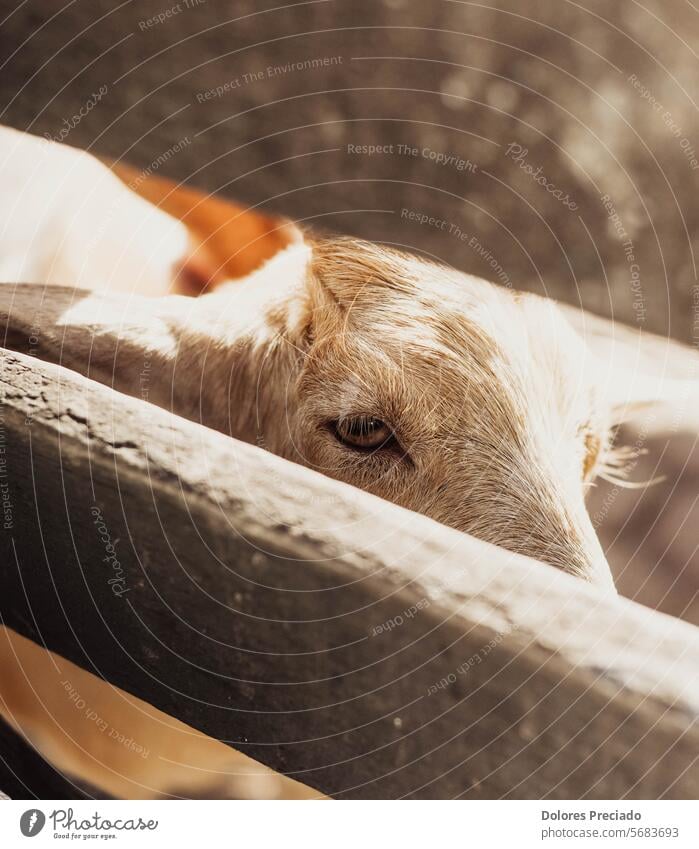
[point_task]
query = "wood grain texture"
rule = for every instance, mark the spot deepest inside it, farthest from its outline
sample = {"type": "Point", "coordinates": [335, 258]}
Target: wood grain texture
{"type": "Point", "coordinates": [360, 648]}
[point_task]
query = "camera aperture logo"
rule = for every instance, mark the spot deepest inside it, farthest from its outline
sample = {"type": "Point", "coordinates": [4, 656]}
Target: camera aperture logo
{"type": "Point", "coordinates": [31, 822]}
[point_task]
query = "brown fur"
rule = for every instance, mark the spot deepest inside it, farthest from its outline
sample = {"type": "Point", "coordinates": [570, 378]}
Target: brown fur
{"type": "Point", "coordinates": [228, 240]}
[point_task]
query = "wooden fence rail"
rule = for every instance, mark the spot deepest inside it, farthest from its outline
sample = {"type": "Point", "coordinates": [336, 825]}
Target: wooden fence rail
{"type": "Point", "coordinates": [360, 648]}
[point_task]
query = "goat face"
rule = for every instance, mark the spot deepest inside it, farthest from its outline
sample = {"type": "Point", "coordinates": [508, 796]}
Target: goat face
{"type": "Point", "coordinates": [452, 397]}
{"type": "Point", "coordinates": [478, 406]}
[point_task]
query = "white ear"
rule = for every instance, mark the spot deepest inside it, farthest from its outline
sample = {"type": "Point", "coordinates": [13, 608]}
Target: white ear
{"type": "Point", "coordinates": [637, 371]}
{"type": "Point", "coordinates": [111, 338]}
{"type": "Point", "coordinates": [188, 355]}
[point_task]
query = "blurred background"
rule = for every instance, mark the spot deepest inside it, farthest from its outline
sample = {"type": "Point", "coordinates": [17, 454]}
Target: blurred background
{"type": "Point", "coordinates": [555, 145]}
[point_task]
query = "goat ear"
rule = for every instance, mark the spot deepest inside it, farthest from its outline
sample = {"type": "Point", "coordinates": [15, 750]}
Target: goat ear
{"type": "Point", "coordinates": [348, 271]}
{"type": "Point", "coordinates": [228, 240]}
{"type": "Point", "coordinates": [115, 338]}
{"type": "Point", "coordinates": [643, 376]}
{"type": "Point", "coordinates": [108, 337]}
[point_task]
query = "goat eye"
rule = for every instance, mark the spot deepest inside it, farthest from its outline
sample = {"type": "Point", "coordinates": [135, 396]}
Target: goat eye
{"type": "Point", "coordinates": [364, 432]}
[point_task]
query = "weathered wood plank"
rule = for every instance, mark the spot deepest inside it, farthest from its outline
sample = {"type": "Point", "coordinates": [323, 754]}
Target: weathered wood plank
{"type": "Point", "coordinates": [363, 649]}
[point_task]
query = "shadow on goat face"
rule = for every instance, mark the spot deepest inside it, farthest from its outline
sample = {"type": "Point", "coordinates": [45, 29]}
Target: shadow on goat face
{"type": "Point", "coordinates": [452, 397]}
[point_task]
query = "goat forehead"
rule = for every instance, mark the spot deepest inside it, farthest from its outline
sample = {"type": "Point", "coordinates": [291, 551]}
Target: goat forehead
{"type": "Point", "coordinates": [491, 348]}
{"type": "Point", "coordinates": [518, 344]}
{"type": "Point", "coordinates": [434, 334]}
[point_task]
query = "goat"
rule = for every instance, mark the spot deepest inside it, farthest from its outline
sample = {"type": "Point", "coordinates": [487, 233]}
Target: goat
{"type": "Point", "coordinates": [484, 408]}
